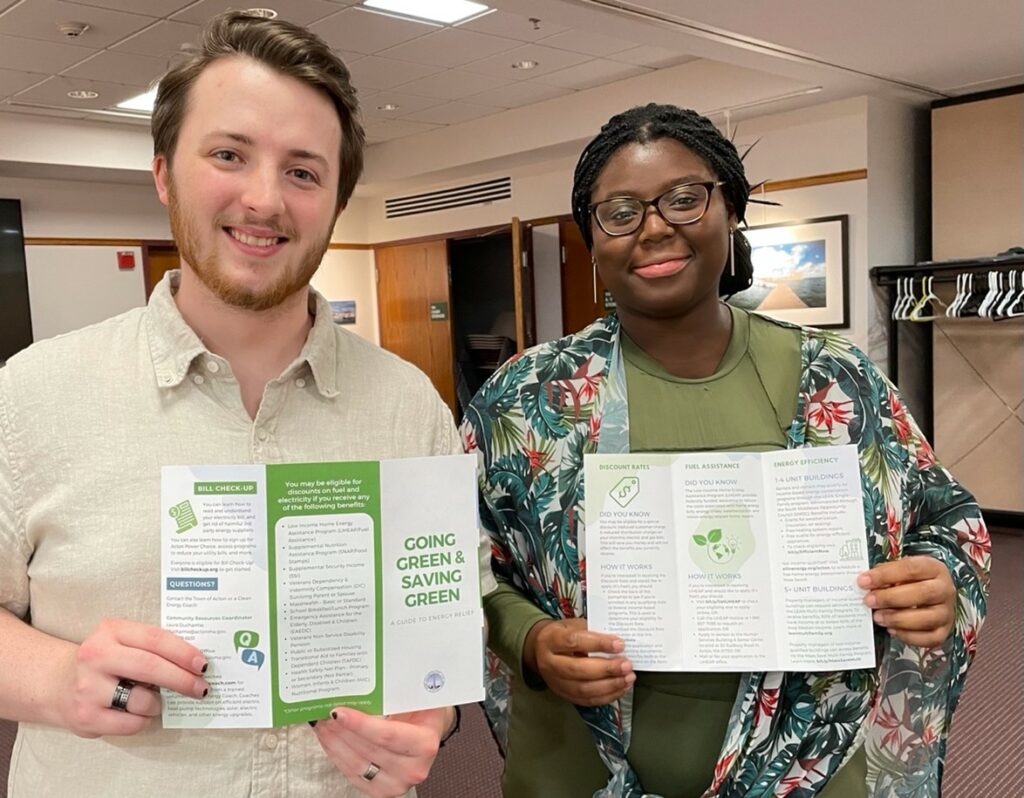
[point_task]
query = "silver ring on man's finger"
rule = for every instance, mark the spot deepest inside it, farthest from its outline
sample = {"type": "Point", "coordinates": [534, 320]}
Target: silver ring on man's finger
{"type": "Point", "coordinates": [121, 694]}
{"type": "Point", "coordinates": [371, 771]}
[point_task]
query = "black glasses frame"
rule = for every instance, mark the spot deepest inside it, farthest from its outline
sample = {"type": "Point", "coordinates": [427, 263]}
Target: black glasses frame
{"type": "Point", "coordinates": [709, 187]}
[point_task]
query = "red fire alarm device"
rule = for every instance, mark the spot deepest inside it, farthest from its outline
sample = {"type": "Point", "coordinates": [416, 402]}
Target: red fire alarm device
{"type": "Point", "coordinates": [126, 260]}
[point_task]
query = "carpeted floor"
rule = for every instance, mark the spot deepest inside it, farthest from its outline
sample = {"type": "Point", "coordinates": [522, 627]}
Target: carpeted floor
{"type": "Point", "coordinates": [985, 758]}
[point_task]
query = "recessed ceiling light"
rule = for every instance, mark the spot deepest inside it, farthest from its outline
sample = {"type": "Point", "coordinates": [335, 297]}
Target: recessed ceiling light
{"type": "Point", "coordinates": [265, 13]}
{"type": "Point", "coordinates": [524, 64]}
{"type": "Point", "coordinates": [141, 102]}
{"type": "Point", "coordinates": [388, 107]}
{"type": "Point", "coordinates": [444, 11]}
{"type": "Point", "coordinates": [83, 94]}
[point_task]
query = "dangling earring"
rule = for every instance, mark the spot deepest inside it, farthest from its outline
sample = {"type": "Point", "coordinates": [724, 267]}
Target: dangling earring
{"type": "Point", "coordinates": [593, 263]}
{"type": "Point", "coordinates": [732, 251]}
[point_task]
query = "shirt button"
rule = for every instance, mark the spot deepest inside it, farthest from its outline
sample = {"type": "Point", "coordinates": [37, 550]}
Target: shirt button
{"type": "Point", "coordinates": [167, 378]}
{"type": "Point", "coordinates": [270, 741]}
{"type": "Point", "coordinates": [212, 367]}
{"type": "Point", "coordinates": [198, 379]}
{"type": "Point", "coordinates": [262, 434]}
{"type": "Point", "coordinates": [300, 383]}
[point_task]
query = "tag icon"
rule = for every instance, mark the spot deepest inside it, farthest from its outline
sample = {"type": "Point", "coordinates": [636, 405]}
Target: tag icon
{"type": "Point", "coordinates": [627, 489]}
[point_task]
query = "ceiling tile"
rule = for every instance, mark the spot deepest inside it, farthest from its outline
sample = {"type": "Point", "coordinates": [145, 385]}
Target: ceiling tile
{"type": "Point", "coordinates": [514, 95]}
{"type": "Point", "coordinates": [450, 47]}
{"type": "Point", "coordinates": [151, 8]}
{"type": "Point", "coordinates": [39, 19]}
{"type": "Point", "coordinates": [54, 92]}
{"type": "Point", "coordinates": [385, 130]}
{"type": "Point", "coordinates": [513, 26]}
{"type": "Point", "coordinates": [11, 80]}
{"type": "Point", "coordinates": [650, 56]}
{"type": "Point", "coordinates": [548, 60]}
{"type": "Point", "coordinates": [453, 113]}
{"type": "Point", "coordinates": [38, 56]}
{"type": "Point", "coordinates": [116, 67]}
{"type": "Point", "coordinates": [407, 104]}
{"type": "Point", "coordinates": [366, 32]}
{"type": "Point", "coordinates": [385, 73]}
{"type": "Point", "coordinates": [454, 84]}
{"type": "Point", "coordinates": [593, 73]}
{"type": "Point", "coordinates": [301, 12]}
{"type": "Point", "coordinates": [163, 40]}
{"type": "Point", "coordinates": [581, 41]}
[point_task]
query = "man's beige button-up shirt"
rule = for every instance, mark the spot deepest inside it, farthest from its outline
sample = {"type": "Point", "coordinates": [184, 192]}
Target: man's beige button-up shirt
{"type": "Point", "coordinates": [86, 421]}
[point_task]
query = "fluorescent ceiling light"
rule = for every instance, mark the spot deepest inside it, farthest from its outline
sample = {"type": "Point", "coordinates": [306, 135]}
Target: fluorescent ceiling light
{"type": "Point", "coordinates": [444, 11]}
{"type": "Point", "coordinates": [142, 103]}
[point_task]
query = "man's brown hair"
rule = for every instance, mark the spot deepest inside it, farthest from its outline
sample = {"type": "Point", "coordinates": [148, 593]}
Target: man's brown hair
{"type": "Point", "coordinates": [289, 49]}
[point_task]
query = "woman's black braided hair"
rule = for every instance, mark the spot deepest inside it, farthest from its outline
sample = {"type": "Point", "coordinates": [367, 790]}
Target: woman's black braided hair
{"type": "Point", "coordinates": [647, 123]}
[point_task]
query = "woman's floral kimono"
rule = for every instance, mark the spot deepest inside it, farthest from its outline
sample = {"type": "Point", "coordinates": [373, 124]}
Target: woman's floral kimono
{"type": "Point", "coordinates": [531, 424]}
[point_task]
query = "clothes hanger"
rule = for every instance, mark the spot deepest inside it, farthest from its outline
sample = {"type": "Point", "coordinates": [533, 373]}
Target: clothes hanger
{"type": "Point", "coordinates": [1017, 306]}
{"type": "Point", "coordinates": [908, 299]}
{"type": "Point", "coordinates": [973, 300]}
{"type": "Point", "coordinates": [898, 302]}
{"type": "Point", "coordinates": [953, 311]}
{"type": "Point", "coordinates": [995, 291]}
{"type": "Point", "coordinates": [924, 309]}
{"type": "Point", "coordinates": [1003, 309]}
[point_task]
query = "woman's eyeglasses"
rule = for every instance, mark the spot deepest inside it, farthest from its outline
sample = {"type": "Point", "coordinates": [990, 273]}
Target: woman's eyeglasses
{"type": "Point", "coordinates": [682, 204]}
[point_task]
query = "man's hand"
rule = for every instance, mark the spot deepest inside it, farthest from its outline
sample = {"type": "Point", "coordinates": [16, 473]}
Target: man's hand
{"type": "Point", "coordinates": [558, 652]}
{"type": "Point", "coordinates": [116, 649]}
{"type": "Point", "coordinates": [400, 748]}
{"type": "Point", "coordinates": [914, 598]}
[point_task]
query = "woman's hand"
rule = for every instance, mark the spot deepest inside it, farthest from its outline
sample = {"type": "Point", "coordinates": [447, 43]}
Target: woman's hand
{"type": "Point", "coordinates": [558, 652]}
{"type": "Point", "coordinates": [914, 598]}
{"type": "Point", "coordinates": [384, 756]}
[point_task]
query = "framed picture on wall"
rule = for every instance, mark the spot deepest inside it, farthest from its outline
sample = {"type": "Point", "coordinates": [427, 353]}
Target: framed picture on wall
{"type": "Point", "coordinates": [343, 311]}
{"type": "Point", "coordinates": [800, 272]}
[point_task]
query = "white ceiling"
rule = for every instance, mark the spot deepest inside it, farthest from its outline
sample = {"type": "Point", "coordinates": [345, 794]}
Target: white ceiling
{"type": "Point", "coordinates": [912, 50]}
{"type": "Point", "coordinates": [436, 75]}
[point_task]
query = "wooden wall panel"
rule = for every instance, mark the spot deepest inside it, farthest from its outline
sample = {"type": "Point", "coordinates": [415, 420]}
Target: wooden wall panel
{"type": "Point", "coordinates": [410, 278]}
{"type": "Point", "coordinates": [578, 306]}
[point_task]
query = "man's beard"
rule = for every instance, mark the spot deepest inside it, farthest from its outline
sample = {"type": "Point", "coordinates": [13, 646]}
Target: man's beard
{"type": "Point", "coordinates": [293, 278]}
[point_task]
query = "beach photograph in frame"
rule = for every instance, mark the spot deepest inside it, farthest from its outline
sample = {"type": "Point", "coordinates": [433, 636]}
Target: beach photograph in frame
{"type": "Point", "coordinates": [800, 272]}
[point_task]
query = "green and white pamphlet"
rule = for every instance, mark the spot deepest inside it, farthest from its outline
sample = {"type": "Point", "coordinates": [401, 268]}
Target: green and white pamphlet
{"type": "Point", "coordinates": [316, 585]}
{"type": "Point", "coordinates": [737, 561]}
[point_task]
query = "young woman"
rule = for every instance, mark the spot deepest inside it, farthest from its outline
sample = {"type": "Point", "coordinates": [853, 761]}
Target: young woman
{"type": "Point", "coordinates": [659, 195]}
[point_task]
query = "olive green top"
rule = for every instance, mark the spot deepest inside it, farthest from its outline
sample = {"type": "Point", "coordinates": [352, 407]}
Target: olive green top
{"type": "Point", "coordinates": [679, 719]}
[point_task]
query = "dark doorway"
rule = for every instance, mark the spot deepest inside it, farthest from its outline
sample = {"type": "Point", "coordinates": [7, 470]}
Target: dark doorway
{"type": "Point", "coordinates": [483, 308]}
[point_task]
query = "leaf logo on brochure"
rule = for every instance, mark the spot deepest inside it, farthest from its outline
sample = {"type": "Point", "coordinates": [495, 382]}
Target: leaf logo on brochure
{"type": "Point", "coordinates": [721, 546]}
{"type": "Point", "coordinates": [718, 550]}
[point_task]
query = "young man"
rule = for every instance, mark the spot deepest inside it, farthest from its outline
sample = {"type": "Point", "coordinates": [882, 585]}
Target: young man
{"type": "Point", "coordinates": [234, 360]}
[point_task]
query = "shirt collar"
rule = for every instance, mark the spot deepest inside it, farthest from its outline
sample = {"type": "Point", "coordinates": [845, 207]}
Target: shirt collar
{"type": "Point", "coordinates": [173, 345]}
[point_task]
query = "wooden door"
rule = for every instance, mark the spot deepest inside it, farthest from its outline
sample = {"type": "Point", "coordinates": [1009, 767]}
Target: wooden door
{"type": "Point", "coordinates": [583, 294]}
{"type": "Point", "coordinates": [522, 284]}
{"type": "Point", "coordinates": [158, 259]}
{"type": "Point", "coordinates": [414, 301]}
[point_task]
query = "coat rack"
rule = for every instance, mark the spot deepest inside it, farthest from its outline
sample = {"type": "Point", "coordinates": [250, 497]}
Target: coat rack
{"type": "Point", "coordinates": [991, 289]}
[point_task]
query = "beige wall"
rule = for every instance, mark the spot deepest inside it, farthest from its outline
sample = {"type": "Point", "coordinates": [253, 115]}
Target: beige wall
{"type": "Point", "coordinates": [978, 178]}
{"type": "Point", "coordinates": [72, 287]}
{"type": "Point", "coordinates": [978, 210]}
{"type": "Point", "coordinates": [350, 274]}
